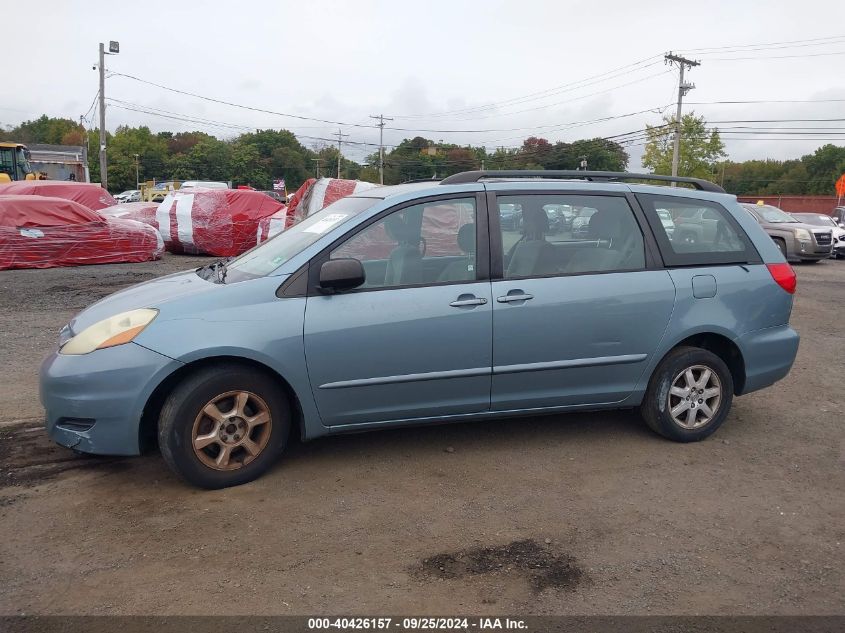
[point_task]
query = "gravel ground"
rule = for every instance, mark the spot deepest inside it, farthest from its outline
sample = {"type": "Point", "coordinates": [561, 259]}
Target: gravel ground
{"type": "Point", "coordinates": [574, 514]}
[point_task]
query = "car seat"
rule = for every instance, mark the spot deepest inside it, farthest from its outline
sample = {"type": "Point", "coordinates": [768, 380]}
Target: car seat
{"type": "Point", "coordinates": [404, 265]}
{"type": "Point", "coordinates": [533, 255]}
{"type": "Point", "coordinates": [616, 248]}
{"type": "Point", "coordinates": [464, 268]}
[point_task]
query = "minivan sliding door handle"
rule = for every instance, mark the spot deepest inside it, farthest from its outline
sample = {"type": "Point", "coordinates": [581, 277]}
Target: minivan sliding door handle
{"type": "Point", "coordinates": [512, 298]}
{"type": "Point", "coordinates": [470, 301]}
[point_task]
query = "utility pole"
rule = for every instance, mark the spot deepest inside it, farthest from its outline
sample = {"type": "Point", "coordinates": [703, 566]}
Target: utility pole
{"type": "Point", "coordinates": [114, 49]}
{"type": "Point", "coordinates": [317, 163]}
{"type": "Point", "coordinates": [137, 172]}
{"type": "Point", "coordinates": [683, 89]}
{"type": "Point", "coordinates": [104, 178]}
{"type": "Point", "coordinates": [381, 119]}
{"type": "Point", "coordinates": [340, 136]}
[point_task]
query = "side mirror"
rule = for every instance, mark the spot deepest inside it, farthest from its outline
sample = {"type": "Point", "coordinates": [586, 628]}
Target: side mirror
{"type": "Point", "coordinates": [337, 275]}
{"type": "Point", "coordinates": [842, 225]}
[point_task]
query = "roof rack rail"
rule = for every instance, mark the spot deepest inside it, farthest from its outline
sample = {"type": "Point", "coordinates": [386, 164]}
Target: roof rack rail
{"type": "Point", "coordinates": [604, 176]}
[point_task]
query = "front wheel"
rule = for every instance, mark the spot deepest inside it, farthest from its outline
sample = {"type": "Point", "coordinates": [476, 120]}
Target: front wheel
{"type": "Point", "coordinates": [689, 395]}
{"type": "Point", "coordinates": [224, 426]}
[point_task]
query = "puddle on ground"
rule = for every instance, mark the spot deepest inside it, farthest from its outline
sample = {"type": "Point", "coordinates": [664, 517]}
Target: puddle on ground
{"type": "Point", "coordinates": [542, 567]}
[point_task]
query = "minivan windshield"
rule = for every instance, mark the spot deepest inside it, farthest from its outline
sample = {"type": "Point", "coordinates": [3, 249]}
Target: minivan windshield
{"type": "Point", "coordinates": [267, 257]}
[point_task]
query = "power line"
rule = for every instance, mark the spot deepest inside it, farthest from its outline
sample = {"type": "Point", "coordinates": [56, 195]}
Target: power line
{"type": "Point", "coordinates": [543, 93]}
{"type": "Point", "coordinates": [736, 59]}
{"type": "Point", "coordinates": [749, 101]}
{"type": "Point", "coordinates": [819, 41]}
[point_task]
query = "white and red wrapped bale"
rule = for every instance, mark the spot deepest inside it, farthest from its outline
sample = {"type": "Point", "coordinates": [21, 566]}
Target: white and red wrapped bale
{"type": "Point", "coordinates": [221, 222]}
{"type": "Point", "coordinates": [44, 232]}
{"type": "Point", "coordinates": [321, 193]}
{"type": "Point", "coordinates": [139, 211]}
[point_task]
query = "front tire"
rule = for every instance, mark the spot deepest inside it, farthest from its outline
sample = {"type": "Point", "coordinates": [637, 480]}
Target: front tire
{"type": "Point", "coordinates": [224, 426]}
{"type": "Point", "coordinates": [689, 395]}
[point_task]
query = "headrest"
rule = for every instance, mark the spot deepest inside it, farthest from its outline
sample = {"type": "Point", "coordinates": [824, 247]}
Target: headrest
{"type": "Point", "coordinates": [466, 238]}
{"type": "Point", "coordinates": [605, 225]}
{"type": "Point", "coordinates": [535, 223]}
{"type": "Point", "coordinates": [397, 229]}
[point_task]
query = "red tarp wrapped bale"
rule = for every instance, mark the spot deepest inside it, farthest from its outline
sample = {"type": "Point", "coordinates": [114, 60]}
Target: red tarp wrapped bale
{"type": "Point", "coordinates": [315, 195]}
{"type": "Point", "coordinates": [43, 232]}
{"type": "Point", "coordinates": [139, 211]}
{"type": "Point", "coordinates": [221, 222]}
{"type": "Point", "coordinates": [89, 194]}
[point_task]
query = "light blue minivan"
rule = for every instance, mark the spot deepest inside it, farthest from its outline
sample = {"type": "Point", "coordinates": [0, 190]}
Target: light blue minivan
{"type": "Point", "coordinates": [415, 303]}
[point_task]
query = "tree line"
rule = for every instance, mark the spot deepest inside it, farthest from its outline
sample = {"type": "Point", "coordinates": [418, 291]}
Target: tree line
{"type": "Point", "coordinates": [257, 158]}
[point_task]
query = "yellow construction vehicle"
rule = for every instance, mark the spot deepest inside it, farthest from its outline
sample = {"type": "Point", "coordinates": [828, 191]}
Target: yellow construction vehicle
{"type": "Point", "coordinates": [14, 163]}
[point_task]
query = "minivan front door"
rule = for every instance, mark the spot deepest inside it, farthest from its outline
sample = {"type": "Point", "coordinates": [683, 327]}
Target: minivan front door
{"type": "Point", "coordinates": [576, 317]}
{"type": "Point", "coordinates": [415, 341]}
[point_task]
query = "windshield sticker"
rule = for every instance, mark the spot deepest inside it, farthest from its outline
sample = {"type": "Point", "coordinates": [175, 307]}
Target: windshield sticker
{"type": "Point", "coordinates": [326, 223]}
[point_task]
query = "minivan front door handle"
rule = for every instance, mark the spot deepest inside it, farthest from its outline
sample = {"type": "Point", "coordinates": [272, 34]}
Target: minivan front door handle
{"type": "Point", "coordinates": [468, 300]}
{"type": "Point", "coordinates": [514, 297]}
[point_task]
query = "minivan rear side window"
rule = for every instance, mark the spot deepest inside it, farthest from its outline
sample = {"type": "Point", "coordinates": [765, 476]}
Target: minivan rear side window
{"type": "Point", "coordinates": [694, 232]}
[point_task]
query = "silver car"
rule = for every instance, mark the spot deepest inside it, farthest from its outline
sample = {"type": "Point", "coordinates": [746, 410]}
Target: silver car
{"type": "Point", "coordinates": [797, 241]}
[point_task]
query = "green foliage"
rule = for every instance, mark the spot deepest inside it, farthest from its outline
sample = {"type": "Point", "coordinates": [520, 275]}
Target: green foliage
{"type": "Point", "coordinates": [813, 174]}
{"type": "Point", "coordinates": [46, 130]}
{"type": "Point", "coordinates": [256, 158]}
{"type": "Point", "coordinates": [699, 152]}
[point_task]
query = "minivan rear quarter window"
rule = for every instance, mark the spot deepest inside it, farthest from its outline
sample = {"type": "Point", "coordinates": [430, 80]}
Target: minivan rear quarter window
{"type": "Point", "coordinates": [701, 232]}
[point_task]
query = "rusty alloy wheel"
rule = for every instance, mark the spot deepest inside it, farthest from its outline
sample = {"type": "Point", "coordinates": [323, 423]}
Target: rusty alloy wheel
{"type": "Point", "coordinates": [231, 430]}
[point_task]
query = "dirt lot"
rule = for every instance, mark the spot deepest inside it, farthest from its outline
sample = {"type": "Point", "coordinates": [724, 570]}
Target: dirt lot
{"type": "Point", "coordinates": [585, 514]}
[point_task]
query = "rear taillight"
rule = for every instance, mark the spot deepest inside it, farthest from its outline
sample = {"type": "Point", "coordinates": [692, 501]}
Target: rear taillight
{"type": "Point", "coordinates": [784, 276]}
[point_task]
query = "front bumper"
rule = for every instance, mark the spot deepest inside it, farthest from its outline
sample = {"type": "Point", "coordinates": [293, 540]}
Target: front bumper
{"type": "Point", "coordinates": [94, 401]}
{"type": "Point", "coordinates": [768, 355]}
{"type": "Point", "coordinates": [811, 250]}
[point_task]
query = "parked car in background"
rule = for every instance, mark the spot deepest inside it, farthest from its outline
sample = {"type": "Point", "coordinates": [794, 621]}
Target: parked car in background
{"type": "Point", "coordinates": [667, 222]}
{"type": "Point", "coordinates": [820, 219]}
{"type": "Point", "coordinates": [797, 241]}
{"type": "Point", "coordinates": [839, 216]}
{"type": "Point", "coordinates": [205, 184]}
{"type": "Point", "coordinates": [581, 222]}
{"type": "Point", "coordinates": [130, 195]}
{"type": "Point", "coordinates": [224, 363]}
{"type": "Point", "coordinates": [560, 217]}
{"type": "Point", "coordinates": [511, 217]}
{"type": "Point", "coordinates": [275, 195]}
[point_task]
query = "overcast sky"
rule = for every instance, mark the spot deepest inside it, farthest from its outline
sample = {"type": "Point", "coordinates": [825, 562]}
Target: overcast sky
{"type": "Point", "coordinates": [516, 68]}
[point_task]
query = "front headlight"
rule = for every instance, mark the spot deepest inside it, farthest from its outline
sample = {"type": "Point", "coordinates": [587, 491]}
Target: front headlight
{"type": "Point", "coordinates": [116, 330]}
{"type": "Point", "coordinates": [803, 235]}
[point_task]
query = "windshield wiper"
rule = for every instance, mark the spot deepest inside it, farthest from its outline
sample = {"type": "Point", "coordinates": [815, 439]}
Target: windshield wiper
{"type": "Point", "coordinates": [217, 268]}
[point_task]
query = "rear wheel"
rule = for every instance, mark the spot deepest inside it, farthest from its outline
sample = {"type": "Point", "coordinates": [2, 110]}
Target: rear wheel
{"type": "Point", "coordinates": [689, 395]}
{"type": "Point", "coordinates": [224, 426]}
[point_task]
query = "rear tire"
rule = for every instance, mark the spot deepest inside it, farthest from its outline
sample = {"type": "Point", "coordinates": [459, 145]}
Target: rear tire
{"type": "Point", "coordinates": [224, 426]}
{"type": "Point", "coordinates": [699, 400]}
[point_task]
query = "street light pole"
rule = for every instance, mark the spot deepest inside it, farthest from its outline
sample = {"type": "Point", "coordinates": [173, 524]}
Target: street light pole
{"type": "Point", "coordinates": [137, 173]}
